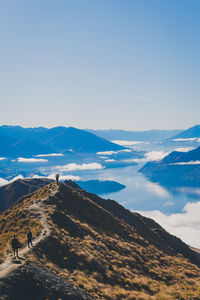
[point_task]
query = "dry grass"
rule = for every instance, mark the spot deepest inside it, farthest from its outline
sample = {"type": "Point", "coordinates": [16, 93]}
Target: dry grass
{"type": "Point", "coordinates": [108, 265]}
{"type": "Point", "coordinates": [18, 219]}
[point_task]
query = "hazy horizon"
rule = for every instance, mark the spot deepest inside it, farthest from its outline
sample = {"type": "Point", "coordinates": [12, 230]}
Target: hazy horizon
{"type": "Point", "coordinates": [67, 126]}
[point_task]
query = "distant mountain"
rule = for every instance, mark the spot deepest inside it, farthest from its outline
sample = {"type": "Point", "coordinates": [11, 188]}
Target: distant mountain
{"type": "Point", "coordinates": [176, 169]}
{"type": "Point", "coordinates": [14, 147]}
{"type": "Point", "coordinates": [148, 135]}
{"type": "Point", "coordinates": [10, 193]}
{"type": "Point", "coordinates": [188, 137]}
{"type": "Point", "coordinates": [16, 140]}
{"type": "Point", "coordinates": [86, 248]}
{"type": "Point", "coordinates": [192, 132]}
{"type": "Point", "coordinates": [75, 139]}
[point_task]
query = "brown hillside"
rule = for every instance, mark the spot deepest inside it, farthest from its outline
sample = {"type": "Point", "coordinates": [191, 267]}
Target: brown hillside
{"type": "Point", "coordinates": [96, 247]}
{"type": "Point", "coordinates": [11, 192]}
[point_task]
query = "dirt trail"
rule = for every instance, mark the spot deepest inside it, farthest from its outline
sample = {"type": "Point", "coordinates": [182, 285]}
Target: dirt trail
{"type": "Point", "coordinates": [10, 262]}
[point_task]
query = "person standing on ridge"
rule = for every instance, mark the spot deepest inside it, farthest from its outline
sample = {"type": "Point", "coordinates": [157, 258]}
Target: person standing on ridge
{"type": "Point", "coordinates": [15, 245]}
{"type": "Point", "coordinates": [57, 178]}
{"type": "Point", "coordinates": [29, 237]}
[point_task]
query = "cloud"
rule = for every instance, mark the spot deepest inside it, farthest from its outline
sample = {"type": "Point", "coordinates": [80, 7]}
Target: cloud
{"type": "Point", "coordinates": [192, 162]}
{"type": "Point", "coordinates": [113, 152]}
{"type": "Point", "coordinates": [3, 181]}
{"type": "Point", "coordinates": [141, 98]}
{"type": "Point", "coordinates": [184, 149]}
{"type": "Point", "coordinates": [61, 177]}
{"type": "Point", "coordinates": [149, 156]}
{"type": "Point", "coordinates": [31, 160]}
{"type": "Point", "coordinates": [17, 177]}
{"type": "Point", "coordinates": [76, 167]}
{"type": "Point", "coordinates": [157, 189]}
{"type": "Point", "coordinates": [128, 143]}
{"type": "Point", "coordinates": [2, 158]}
{"type": "Point", "coordinates": [156, 155]}
{"type": "Point", "coordinates": [185, 225]}
{"type": "Point", "coordinates": [109, 160]}
{"type": "Point", "coordinates": [185, 140]}
{"type": "Point", "coordinates": [106, 152]}
{"type": "Point", "coordinates": [51, 176]}
{"type": "Point", "coordinates": [51, 154]}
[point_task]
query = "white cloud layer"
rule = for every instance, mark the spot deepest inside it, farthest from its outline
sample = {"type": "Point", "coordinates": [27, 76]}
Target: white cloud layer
{"type": "Point", "coordinates": [185, 225]}
{"type": "Point", "coordinates": [128, 143]}
{"type": "Point", "coordinates": [2, 158]}
{"type": "Point", "coordinates": [184, 149]}
{"type": "Point", "coordinates": [155, 155]}
{"type": "Point", "coordinates": [5, 181]}
{"type": "Point", "coordinates": [76, 167]}
{"type": "Point", "coordinates": [109, 160]}
{"type": "Point", "coordinates": [192, 162]}
{"type": "Point", "coordinates": [185, 140]}
{"type": "Point", "coordinates": [157, 189]}
{"type": "Point", "coordinates": [61, 177]}
{"type": "Point", "coordinates": [31, 160]}
{"type": "Point", "coordinates": [113, 152]}
{"type": "Point", "coordinates": [51, 176]}
{"type": "Point", "coordinates": [51, 154]}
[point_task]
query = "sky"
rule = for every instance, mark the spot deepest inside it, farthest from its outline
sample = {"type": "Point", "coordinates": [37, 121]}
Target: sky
{"type": "Point", "coordinates": [122, 64]}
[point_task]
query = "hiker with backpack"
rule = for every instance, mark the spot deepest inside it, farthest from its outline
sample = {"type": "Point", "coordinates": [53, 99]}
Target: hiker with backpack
{"type": "Point", "coordinates": [57, 178]}
{"type": "Point", "coordinates": [15, 245]}
{"type": "Point", "coordinates": [29, 237]}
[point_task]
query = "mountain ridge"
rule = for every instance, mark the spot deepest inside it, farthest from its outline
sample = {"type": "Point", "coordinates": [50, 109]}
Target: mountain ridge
{"type": "Point", "coordinates": [98, 247]}
{"type": "Point", "coordinates": [42, 140]}
{"type": "Point", "coordinates": [153, 135]}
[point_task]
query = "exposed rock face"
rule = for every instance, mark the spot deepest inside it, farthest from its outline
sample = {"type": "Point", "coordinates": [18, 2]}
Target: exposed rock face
{"type": "Point", "coordinates": [32, 282]}
{"type": "Point", "coordinates": [94, 249]}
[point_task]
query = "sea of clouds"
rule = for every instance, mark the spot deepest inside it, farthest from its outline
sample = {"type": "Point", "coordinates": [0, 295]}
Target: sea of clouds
{"type": "Point", "coordinates": [185, 225]}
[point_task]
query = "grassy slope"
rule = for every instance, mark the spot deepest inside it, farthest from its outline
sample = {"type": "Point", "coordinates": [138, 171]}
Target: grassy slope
{"type": "Point", "coordinates": [100, 252]}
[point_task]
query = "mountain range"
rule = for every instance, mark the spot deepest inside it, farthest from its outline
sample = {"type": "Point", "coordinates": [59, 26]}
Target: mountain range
{"type": "Point", "coordinates": [192, 132]}
{"type": "Point", "coordinates": [176, 169]}
{"type": "Point", "coordinates": [188, 137]}
{"type": "Point", "coordinates": [153, 135]}
{"type": "Point", "coordinates": [86, 247]}
{"type": "Point", "coordinates": [18, 141]}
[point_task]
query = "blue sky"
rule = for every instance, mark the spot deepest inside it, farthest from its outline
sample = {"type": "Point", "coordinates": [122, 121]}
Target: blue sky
{"type": "Point", "coordinates": [129, 64]}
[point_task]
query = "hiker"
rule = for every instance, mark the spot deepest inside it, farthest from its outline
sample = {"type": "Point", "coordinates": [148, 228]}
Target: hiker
{"type": "Point", "coordinates": [29, 237]}
{"type": "Point", "coordinates": [57, 177]}
{"type": "Point", "coordinates": [15, 245]}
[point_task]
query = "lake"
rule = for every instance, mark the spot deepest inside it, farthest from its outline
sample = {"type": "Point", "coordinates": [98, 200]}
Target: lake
{"type": "Point", "coordinates": [175, 209]}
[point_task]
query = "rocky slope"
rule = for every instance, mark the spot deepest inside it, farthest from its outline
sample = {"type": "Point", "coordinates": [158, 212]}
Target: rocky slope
{"type": "Point", "coordinates": [86, 247]}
